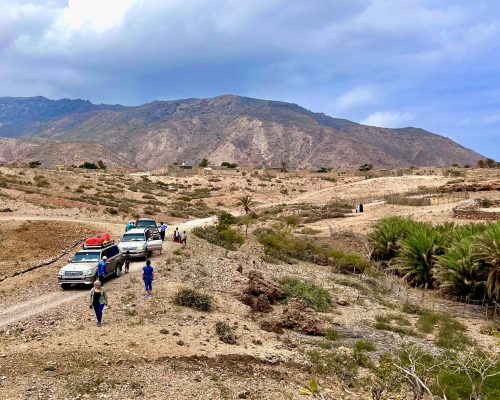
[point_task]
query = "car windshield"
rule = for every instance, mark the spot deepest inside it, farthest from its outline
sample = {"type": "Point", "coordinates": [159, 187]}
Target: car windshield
{"type": "Point", "coordinates": [85, 256]}
{"type": "Point", "coordinates": [133, 237]}
{"type": "Point", "coordinates": [146, 224]}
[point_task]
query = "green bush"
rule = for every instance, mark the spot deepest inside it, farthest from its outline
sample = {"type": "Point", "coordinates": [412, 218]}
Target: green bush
{"type": "Point", "coordinates": [348, 263]}
{"type": "Point", "coordinates": [194, 299]}
{"type": "Point", "coordinates": [221, 235]}
{"type": "Point", "coordinates": [313, 295]}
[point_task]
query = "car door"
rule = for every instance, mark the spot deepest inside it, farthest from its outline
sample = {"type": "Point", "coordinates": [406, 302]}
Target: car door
{"type": "Point", "coordinates": [113, 254]}
{"type": "Point", "coordinates": [154, 242]}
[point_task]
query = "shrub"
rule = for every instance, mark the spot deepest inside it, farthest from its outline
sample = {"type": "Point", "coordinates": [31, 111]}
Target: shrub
{"type": "Point", "coordinates": [194, 299]}
{"type": "Point", "coordinates": [361, 347]}
{"type": "Point", "coordinates": [88, 165]}
{"type": "Point", "coordinates": [348, 263]}
{"type": "Point", "coordinates": [112, 211]}
{"type": "Point", "coordinates": [313, 295]}
{"type": "Point", "coordinates": [340, 364]}
{"type": "Point", "coordinates": [229, 165]}
{"type": "Point", "coordinates": [225, 332]}
{"type": "Point", "coordinates": [34, 164]}
{"type": "Point", "coordinates": [221, 235]}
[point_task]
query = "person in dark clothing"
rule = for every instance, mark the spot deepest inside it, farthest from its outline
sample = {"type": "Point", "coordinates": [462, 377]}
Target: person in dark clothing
{"type": "Point", "coordinates": [177, 235]}
{"type": "Point", "coordinates": [127, 261]}
{"type": "Point", "coordinates": [101, 270]}
{"type": "Point", "coordinates": [98, 299]}
{"type": "Point", "coordinates": [147, 276]}
{"type": "Point", "coordinates": [184, 237]}
{"type": "Point", "coordinates": [163, 228]}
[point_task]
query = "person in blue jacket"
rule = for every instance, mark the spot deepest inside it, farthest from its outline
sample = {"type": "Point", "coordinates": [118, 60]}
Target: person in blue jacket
{"type": "Point", "coordinates": [129, 226]}
{"type": "Point", "coordinates": [147, 276]}
{"type": "Point", "coordinates": [163, 228]}
{"type": "Point", "coordinates": [101, 269]}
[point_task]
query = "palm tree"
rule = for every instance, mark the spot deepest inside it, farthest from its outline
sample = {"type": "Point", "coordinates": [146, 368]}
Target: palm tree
{"type": "Point", "coordinates": [487, 250]}
{"type": "Point", "coordinates": [458, 273]}
{"type": "Point", "coordinates": [490, 163]}
{"type": "Point", "coordinates": [284, 166]}
{"type": "Point", "coordinates": [385, 237]}
{"type": "Point", "coordinates": [204, 163]}
{"type": "Point", "coordinates": [419, 254]}
{"type": "Point", "coordinates": [246, 202]}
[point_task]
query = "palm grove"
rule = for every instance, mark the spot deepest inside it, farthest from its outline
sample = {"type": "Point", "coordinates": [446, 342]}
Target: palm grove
{"type": "Point", "coordinates": [460, 260]}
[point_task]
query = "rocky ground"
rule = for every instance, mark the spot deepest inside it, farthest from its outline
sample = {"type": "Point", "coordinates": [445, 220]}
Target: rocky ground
{"type": "Point", "coordinates": [50, 347]}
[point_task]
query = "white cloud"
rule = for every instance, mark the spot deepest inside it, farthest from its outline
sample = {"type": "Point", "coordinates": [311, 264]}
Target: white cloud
{"type": "Point", "coordinates": [388, 119]}
{"type": "Point", "coordinates": [358, 96]}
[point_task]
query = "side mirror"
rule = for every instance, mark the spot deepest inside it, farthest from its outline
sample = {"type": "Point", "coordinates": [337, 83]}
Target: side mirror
{"type": "Point", "coordinates": [70, 259]}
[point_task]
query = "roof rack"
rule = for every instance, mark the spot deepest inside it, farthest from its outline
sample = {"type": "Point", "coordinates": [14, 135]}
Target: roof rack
{"type": "Point", "coordinates": [98, 246]}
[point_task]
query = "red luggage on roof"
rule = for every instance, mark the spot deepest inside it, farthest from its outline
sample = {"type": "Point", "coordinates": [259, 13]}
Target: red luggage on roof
{"type": "Point", "coordinates": [100, 240]}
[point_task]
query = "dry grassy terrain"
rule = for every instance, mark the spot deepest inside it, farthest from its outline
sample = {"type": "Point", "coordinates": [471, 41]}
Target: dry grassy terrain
{"type": "Point", "coordinates": [155, 348]}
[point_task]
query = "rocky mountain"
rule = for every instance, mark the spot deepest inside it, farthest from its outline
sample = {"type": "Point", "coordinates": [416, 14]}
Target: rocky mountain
{"type": "Point", "coordinates": [225, 128]}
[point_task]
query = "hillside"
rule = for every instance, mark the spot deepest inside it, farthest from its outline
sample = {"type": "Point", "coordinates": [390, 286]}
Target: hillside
{"type": "Point", "coordinates": [225, 128]}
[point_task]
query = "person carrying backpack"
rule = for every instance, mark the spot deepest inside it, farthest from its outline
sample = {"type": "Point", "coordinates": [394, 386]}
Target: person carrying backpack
{"type": "Point", "coordinates": [101, 269]}
{"type": "Point", "coordinates": [147, 276]}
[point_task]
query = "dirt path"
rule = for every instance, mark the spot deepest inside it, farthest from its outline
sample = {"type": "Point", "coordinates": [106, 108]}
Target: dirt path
{"type": "Point", "coordinates": [43, 303]}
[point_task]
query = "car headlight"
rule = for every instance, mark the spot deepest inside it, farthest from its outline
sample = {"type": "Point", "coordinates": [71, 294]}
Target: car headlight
{"type": "Point", "coordinates": [144, 246]}
{"type": "Point", "coordinates": [89, 272]}
{"type": "Point", "coordinates": [61, 272]}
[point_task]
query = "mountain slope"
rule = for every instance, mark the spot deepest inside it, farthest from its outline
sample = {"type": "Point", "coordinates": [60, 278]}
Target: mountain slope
{"type": "Point", "coordinates": [225, 128]}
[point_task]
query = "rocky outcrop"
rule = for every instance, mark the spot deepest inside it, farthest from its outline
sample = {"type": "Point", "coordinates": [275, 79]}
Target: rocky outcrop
{"type": "Point", "coordinates": [298, 317]}
{"type": "Point", "coordinates": [260, 294]}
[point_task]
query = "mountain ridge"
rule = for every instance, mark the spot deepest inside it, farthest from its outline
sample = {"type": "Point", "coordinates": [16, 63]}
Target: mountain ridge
{"type": "Point", "coordinates": [223, 128]}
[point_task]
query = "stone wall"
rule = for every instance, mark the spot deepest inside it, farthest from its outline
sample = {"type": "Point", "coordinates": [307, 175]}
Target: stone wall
{"type": "Point", "coordinates": [471, 210]}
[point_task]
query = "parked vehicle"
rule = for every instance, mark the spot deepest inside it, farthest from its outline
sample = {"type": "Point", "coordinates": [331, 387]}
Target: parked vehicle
{"type": "Point", "coordinates": [140, 242]}
{"type": "Point", "coordinates": [82, 267]}
{"type": "Point", "coordinates": [147, 223]}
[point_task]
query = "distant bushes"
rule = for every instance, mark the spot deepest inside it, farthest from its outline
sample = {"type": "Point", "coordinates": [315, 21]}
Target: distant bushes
{"type": "Point", "coordinates": [280, 244]}
{"type": "Point", "coordinates": [460, 260]}
{"type": "Point", "coordinates": [222, 234]}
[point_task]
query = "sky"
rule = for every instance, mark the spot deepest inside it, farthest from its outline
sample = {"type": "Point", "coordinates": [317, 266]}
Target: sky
{"type": "Point", "coordinates": [433, 64]}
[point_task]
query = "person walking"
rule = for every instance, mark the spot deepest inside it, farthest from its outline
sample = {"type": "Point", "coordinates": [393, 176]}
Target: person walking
{"type": "Point", "coordinates": [147, 276]}
{"type": "Point", "coordinates": [176, 235]}
{"type": "Point", "coordinates": [127, 261]}
{"type": "Point", "coordinates": [101, 269]}
{"type": "Point", "coordinates": [184, 238]}
{"type": "Point", "coordinates": [98, 299]}
{"type": "Point", "coordinates": [163, 228]}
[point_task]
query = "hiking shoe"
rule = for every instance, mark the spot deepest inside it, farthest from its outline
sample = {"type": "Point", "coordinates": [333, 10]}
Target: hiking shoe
{"type": "Point", "coordinates": [99, 325]}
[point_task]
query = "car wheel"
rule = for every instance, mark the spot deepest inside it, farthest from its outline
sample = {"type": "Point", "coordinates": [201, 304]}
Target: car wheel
{"type": "Point", "coordinates": [118, 270]}
{"type": "Point", "coordinates": [65, 286]}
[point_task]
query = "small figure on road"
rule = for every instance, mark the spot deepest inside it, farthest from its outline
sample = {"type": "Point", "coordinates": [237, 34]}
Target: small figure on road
{"type": "Point", "coordinates": [98, 299]}
{"type": "Point", "coordinates": [127, 261]}
{"type": "Point", "coordinates": [101, 269]}
{"type": "Point", "coordinates": [184, 238]}
{"type": "Point", "coordinates": [147, 276]}
{"type": "Point", "coordinates": [163, 228]}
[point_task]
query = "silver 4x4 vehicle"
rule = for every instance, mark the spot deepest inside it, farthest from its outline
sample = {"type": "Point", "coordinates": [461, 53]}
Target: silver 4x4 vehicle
{"type": "Point", "coordinates": [82, 267]}
{"type": "Point", "coordinates": [139, 242]}
{"type": "Point", "coordinates": [147, 223]}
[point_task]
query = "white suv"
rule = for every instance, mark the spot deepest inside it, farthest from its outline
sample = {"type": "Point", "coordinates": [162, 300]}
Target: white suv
{"type": "Point", "coordinates": [140, 242]}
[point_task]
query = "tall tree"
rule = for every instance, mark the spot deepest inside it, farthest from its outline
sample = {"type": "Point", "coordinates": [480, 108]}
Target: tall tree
{"type": "Point", "coordinates": [204, 163]}
{"type": "Point", "coordinates": [246, 202]}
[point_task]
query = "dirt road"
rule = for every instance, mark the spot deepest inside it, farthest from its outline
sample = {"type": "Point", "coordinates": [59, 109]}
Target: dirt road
{"type": "Point", "coordinates": [43, 303]}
